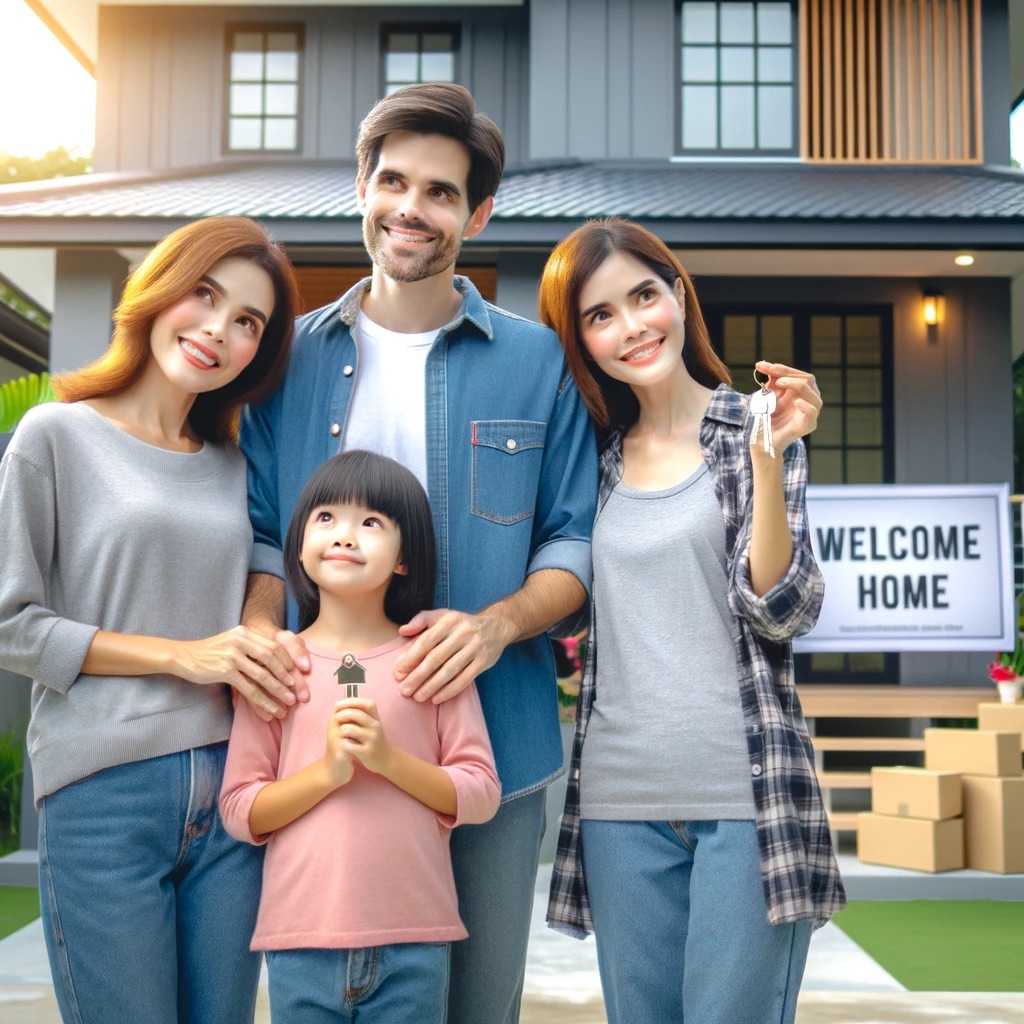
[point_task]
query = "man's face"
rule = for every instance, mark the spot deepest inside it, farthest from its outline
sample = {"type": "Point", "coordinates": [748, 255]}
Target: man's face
{"type": "Point", "coordinates": [415, 211]}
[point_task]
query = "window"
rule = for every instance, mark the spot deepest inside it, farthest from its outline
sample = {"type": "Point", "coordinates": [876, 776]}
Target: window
{"type": "Point", "coordinates": [737, 77]}
{"type": "Point", "coordinates": [263, 89]}
{"type": "Point", "coordinates": [849, 351]}
{"type": "Point", "coordinates": [425, 54]}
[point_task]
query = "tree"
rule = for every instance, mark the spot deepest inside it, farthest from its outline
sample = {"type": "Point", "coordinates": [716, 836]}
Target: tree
{"type": "Point", "coordinates": [57, 163]}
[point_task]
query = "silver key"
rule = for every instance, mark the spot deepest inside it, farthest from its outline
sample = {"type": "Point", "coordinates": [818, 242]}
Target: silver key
{"type": "Point", "coordinates": [762, 405]}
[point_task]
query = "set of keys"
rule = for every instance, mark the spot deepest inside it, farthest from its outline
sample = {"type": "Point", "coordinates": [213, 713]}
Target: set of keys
{"type": "Point", "coordinates": [762, 405]}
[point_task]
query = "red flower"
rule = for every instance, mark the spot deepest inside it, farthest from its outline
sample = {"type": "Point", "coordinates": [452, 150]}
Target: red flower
{"type": "Point", "coordinates": [1001, 673]}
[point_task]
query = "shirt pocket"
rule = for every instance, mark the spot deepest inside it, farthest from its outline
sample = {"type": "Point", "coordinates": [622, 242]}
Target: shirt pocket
{"type": "Point", "coordinates": [507, 456]}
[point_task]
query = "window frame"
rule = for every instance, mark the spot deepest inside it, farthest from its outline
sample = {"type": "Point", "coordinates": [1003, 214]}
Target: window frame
{"type": "Point", "coordinates": [264, 28]}
{"type": "Point", "coordinates": [755, 153]}
{"type": "Point", "coordinates": [419, 28]}
{"type": "Point", "coordinates": [802, 313]}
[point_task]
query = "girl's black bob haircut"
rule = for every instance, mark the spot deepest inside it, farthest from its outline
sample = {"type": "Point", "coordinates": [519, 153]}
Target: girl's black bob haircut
{"type": "Point", "coordinates": [383, 485]}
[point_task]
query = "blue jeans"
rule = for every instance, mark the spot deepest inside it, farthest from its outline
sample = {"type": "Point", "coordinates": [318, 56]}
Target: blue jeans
{"type": "Point", "coordinates": [148, 905]}
{"type": "Point", "coordinates": [495, 868]}
{"type": "Point", "coordinates": [404, 983]}
{"type": "Point", "coordinates": [682, 934]}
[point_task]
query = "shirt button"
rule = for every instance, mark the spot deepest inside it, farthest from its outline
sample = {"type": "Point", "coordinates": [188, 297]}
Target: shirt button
{"type": "Point", "coordinates": [510, 444]}
{"type": "Point", "coordinates": [755, 769]}
{"type": "Point", "coordinates": [335, 429]}
{"type": "Point", "coordinates": [348, 371]}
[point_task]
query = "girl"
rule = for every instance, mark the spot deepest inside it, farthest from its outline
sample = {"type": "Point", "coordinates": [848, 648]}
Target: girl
{"type": "Point", "coordinates": [694, 840]}
{"type": "Point", "coordinates": [358, 790]}
{"type": "Point", "coordinates": [127, 542]}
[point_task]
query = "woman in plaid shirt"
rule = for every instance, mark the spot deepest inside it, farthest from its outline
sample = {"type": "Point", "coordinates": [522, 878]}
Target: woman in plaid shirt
{"type": "Point", "coordinates": [694, 840]}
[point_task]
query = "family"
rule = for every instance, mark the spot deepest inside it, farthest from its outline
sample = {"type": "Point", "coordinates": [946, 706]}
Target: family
{"type": "Point", "coordinates": [284, 589]}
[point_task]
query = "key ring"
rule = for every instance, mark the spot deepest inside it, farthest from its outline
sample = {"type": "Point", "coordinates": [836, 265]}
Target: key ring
{"type": "Point", "coordinates": [763, 385]}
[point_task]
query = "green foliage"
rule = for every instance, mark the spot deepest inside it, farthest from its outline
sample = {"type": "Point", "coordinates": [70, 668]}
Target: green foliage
{"type": "Point", "coordinates": [57, 163]}
{"type": "Point", "coordinates": [18, 396]}
{"type": "Point", "coordinates": [27, 309]}
{"type": "Point", "coordinates": [10, 790]}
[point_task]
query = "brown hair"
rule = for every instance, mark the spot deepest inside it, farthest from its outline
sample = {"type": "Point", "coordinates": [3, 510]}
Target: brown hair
{"type": "Point", "coordinates": [437, 108]}
{"type": "Point", "coordinates": [170, 270]}
{"type": "Point", "coordinates": [573, 261]}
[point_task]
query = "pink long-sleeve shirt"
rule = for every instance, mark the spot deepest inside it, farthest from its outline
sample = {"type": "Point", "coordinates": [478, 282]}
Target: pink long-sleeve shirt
{"type": "Point", "coordinates": [369, 865]}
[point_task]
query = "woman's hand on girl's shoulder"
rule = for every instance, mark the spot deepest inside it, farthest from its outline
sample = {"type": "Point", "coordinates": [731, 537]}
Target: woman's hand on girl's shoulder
{"type": "Point", "coordinates": [797, 402]}
{"type": "Point", "coordinates": [259, 669]}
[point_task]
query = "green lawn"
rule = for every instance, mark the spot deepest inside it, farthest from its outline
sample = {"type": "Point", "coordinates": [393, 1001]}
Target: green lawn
{"type": "Point", "coordinates": [18, 906]}
{"type": "Point", "coordinates": [942, 945]}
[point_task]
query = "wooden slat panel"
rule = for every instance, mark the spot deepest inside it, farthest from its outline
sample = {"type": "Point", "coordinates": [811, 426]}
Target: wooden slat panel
{"type": "Point", "coordinates": [827, 71]}
{"type": "Point", "coordinates": [965, 79]}
{"type": "Point", "coordinates": [881, 77]}
{"type": "Point", "coordinates": [976, 107]}
{"type": "Point", "coordinates": [321, 285]}
{"type": "Point", "coordinates": [887, 151]}
{"type": "Point", "coordinates": [869, 744]}
{"type": "Point", "coordinates": [823, 701]}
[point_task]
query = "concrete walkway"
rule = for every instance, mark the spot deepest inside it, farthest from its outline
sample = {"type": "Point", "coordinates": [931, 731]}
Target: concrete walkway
{"type": "Point", "coordinates": [842, 984]}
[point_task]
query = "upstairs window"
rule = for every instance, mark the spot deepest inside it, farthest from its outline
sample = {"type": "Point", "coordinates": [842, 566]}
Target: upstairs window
{"type": "Point", "coordinates": [419, 54]}
{"type": "Point", "coordinates": [264, 64]}
{"type": "Point", "coordinates": [737, 77]}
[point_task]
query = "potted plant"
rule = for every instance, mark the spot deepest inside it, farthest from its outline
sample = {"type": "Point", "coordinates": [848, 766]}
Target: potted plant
{"type": "Point", "coordinates": [17, 397]}
{"type": "Point", "coordinates": [1008, 668]}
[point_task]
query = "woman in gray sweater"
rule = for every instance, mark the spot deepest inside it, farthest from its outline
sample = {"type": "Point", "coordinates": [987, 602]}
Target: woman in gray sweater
{"type": "Point", "coordinates": [126, 547]}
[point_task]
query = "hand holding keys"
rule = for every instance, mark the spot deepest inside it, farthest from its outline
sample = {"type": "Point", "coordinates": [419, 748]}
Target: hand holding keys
{"type": "Point", "coordinates": [762, 405]}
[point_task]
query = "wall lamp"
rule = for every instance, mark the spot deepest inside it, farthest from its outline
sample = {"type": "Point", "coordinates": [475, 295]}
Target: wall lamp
{"type": "Point", "coordinates": [934, 311]}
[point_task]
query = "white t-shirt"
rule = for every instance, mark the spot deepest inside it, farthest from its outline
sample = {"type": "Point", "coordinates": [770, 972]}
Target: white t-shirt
{"type": "Point", "coordinates": [387, 413]}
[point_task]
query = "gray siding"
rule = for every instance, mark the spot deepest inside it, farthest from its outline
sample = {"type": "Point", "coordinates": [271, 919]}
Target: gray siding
{"type": "Point", "coordinates": [602, 79]}
{"type": "Point", "coordinates": [161, 73]}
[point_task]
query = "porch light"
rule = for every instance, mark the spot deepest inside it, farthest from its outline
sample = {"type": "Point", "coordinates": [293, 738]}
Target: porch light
{"type": "Point", "coordinates": [963, 259]}
{"type": "Point", "coordinates": [934, 307]}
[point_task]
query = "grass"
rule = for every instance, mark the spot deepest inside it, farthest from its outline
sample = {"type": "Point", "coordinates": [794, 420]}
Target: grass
{"type": "Point", "coordinates": [19, 905]}
{"type": "Point", "coordinates": [942, 945]}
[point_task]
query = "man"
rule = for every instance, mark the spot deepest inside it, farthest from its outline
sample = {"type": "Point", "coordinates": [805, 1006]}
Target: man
{"type": "Point", "coordinates": [479, 404]}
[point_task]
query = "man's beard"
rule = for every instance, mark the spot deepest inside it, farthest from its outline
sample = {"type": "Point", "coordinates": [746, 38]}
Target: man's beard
{"type": "Point", "coordinates": [436, 256]}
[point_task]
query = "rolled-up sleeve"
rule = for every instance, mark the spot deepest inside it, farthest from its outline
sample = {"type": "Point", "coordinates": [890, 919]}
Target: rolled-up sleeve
{"type": "Point", "coordinates": [567, 499]}
{"type": "Point", "coordinates": [35, 640]}
{"type": "Point", "coordinates": [467, 757]}
{"type": "Point", "coordinates": [254, 752]}
{"type": "Point", "coordinates": [791, 607]}
{"type": "Point", "coordinates": [257, 439]}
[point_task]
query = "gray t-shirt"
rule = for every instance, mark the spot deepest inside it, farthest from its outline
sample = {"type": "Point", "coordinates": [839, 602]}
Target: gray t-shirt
{"type": "Point", "coordinates": [665, 740]}
{"type": "Point", "coordinates": [103, 531]}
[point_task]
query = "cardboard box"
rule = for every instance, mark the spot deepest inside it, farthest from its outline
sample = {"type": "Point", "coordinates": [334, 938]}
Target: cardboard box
{"type": "Point", "coordinates": [994, 823]}
{"type": "Point", "coordinates": [910, 842]}
{"type": "Point", "coordinates": [1002, 718]}
{"type": "Point", "coordinates": [972, 752]}
{"type": "Point", "coordinates": [916, 793]}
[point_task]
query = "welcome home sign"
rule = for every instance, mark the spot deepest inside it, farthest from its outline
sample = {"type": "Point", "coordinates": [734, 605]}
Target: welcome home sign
{"type": "Point", "coordinates": [912, 568]}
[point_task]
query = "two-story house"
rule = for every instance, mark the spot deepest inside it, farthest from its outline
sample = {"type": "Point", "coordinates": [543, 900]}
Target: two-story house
{"type": "Point", "coordinates": [821, 166]}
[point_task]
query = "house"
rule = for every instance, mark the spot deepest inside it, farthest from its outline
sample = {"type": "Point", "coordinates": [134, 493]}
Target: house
{"type": "Point", "coordinates": [819, 165]}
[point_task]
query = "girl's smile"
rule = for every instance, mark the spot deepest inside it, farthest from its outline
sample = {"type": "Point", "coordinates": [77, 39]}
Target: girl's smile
{"type": "Point", "coordinates": [349, 550]}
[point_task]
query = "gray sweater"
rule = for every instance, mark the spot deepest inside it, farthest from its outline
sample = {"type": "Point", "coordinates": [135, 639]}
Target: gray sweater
{"type": "Point", "coordinates": [99, 530]}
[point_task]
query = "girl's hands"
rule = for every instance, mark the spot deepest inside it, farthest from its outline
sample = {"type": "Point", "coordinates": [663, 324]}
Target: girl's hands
{"type": "Point", "coordinates": [797, 402]}
{"type": "Point", "coordinates": [361, 734]}
{"type": "Point", "coordinates": [258, 668]}
{"type": "Point", "coordinates": [337, 760]}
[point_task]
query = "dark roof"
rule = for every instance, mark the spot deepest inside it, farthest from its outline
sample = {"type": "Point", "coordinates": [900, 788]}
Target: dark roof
{"type": "Point", "coordinates": [724, 204]}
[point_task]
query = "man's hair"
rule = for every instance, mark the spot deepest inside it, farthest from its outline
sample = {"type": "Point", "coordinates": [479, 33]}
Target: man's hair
{"type": "Point", "coordinates": [365, 478]}
{"type": "Point", "coordinates": [437, 108]}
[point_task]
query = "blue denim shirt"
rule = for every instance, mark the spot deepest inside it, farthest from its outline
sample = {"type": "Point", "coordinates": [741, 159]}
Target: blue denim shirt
{"type": "Point", "coordinates": [511, 475]}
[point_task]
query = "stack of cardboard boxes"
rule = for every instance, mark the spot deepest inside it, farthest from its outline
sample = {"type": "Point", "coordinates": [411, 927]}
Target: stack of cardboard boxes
{"type": "Point", "coordinates": [965, 808]}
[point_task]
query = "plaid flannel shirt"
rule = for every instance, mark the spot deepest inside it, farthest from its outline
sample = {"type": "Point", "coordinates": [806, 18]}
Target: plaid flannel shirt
{"type": "Point", "coordinates": [798, 866]}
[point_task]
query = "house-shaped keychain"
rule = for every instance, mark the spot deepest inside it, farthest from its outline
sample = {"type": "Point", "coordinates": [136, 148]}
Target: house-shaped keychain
{"type": "Point", "coordinates": [351, 675]}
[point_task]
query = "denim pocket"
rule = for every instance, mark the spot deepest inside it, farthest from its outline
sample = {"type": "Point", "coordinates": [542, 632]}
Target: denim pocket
{"type": "Point", "coordinates": [507, 456]}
